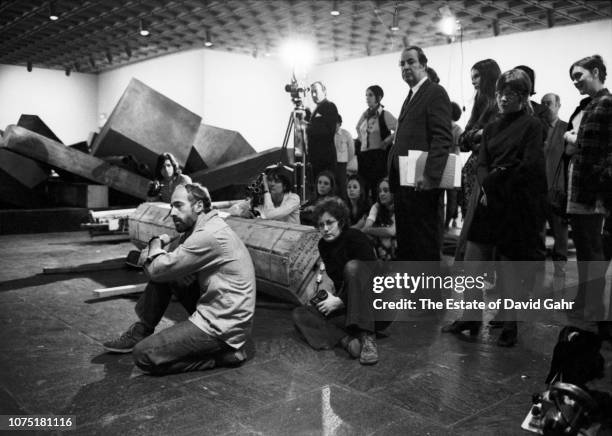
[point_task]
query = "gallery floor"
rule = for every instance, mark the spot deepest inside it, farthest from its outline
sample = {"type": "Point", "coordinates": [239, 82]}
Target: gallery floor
{"type": "Point", "coordinates": [426, 383]}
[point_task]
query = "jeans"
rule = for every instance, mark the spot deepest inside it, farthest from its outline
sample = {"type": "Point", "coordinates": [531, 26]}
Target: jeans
{"type": "Point", "coordinates": [586, 233]}
{"type": "Point", "coordinates": [181, 347]}
{"type": "Point", "coordinates": [323, 332]}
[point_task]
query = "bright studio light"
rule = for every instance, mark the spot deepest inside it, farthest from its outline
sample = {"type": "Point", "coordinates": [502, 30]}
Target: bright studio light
{"type": "Point", "coordinates": [298, 54]}
{"type": "Point", "coordinates": [449, 26]}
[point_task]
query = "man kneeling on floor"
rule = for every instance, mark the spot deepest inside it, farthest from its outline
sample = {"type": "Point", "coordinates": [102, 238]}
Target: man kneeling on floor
{"type": "Point", "coordinates": [211, 273]}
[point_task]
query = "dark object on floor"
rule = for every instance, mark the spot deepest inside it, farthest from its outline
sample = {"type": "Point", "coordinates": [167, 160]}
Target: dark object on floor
{"type": "Point", "coordinates": [564, 409]}
{"type": "Point", "coordinates": [576, 357]}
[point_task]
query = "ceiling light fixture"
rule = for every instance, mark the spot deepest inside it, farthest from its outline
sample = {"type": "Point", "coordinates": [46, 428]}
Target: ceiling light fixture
{"type": "Point", "coordinates": [448, 24]}
{"type": "Point", "coordinates": [208, 42]}
{"type": "Point", "coordinates": [335, 12]}
{"type": "Point", "coordinates": [394, 26]}
{"type": "Point", "coordinates": [52, 13]}
{"type": "Point", "coordinates": [144, 30]}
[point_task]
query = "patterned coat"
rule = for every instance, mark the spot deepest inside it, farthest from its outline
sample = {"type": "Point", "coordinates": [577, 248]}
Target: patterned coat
{"type": "Point", "coordinates": [592, 162]}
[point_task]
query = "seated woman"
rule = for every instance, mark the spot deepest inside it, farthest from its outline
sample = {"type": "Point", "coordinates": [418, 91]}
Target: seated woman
{"type": "Point", "coordinates": [380, 224]}
{"type": "Point", "coordinates": [345, 317]}
{"type": "Point", "coordinates": [279, 203]}
{"type": "Point", "coordinates": [325, 188]}
{"type": "Point", "coordinates": [358, 203]}
{"type": "Point", "coordinates": [167, 177]}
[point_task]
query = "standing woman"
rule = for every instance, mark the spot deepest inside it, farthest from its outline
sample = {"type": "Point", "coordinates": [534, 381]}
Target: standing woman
{"type": "Point", "coordinates": [484, 76]}
{"type": "Point", "coordinates": [510, 204]}
{"type": "Point", "coordinates": [375, 130]}
{"type": "Point", "coordinates": [167, 177]}
{"type": "Point", "coordinates": [590, 183]}
{"type": "Point", "coordinates": [380, 224]}
{"type": "Point", "coordinates": [358, 203]}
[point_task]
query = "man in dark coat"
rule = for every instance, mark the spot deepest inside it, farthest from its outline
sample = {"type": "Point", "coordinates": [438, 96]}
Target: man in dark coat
{"type": "Point", "coordinates": [554, 147]}
{"type": "Point", "coordinates": [424, 124]}
{"type": "Point", "coordinates": [321, 131]}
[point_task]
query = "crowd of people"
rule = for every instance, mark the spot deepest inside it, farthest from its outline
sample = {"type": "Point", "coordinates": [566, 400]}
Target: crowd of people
{"type": "Point", "coordinates": [526, 167]}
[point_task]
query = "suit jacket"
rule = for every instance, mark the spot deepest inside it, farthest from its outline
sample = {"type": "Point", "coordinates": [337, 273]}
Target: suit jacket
{"type": "Point", "coordinates": [423, 124]}
{"type": "Point", "coordinates": [321, 132]}
{"type": "Point", "coordinates": [554, 147]}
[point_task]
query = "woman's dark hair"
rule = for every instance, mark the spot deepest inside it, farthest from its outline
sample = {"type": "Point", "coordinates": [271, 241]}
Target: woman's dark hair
{"type": "Point", "coordinates": [484, 101]}
{"type": "Point", "coordinates": [384, 214]}
{"type": "Point", "coordinates": [455, 111]}
{"type": "Point", "coordinates": [377, 91]}
{"type": "Point", "coordinates": [332, 182]}
{"type": "Point", "coordinates": [161, 160]}
{"type": "Point", "coordinates": [197, 192]}
{"type": "Point", "coordinates": [530, 73]}
{"type": "Point", "coordinates": [590, 63]}
{"type": "Point", "coordinates": [517, 81]}
{"type": "Point", "coordinates": [276, 175]}
{"type": "Point", "coordinates": [336, 208]}
{"type": "Point", "coordinates": [363, 203]}
{"type": "Point", "coordinates": [432, 75]}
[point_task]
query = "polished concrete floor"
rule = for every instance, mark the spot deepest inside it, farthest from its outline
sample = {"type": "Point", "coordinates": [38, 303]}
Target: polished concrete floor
{"type": "Point", "coordinates": [426, 383]}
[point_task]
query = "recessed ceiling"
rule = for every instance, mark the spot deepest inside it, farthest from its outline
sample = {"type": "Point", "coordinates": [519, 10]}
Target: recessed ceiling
{"type": "Point", "coordinates": [94, 36]}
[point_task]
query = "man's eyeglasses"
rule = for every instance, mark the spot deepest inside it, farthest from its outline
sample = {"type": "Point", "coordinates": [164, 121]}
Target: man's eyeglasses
{"type": "Point", "coordinates": [328, 223]}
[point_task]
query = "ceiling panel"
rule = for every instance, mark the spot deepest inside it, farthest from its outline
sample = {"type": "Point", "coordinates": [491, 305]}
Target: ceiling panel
{"type": "Point", "coordinates": [94, 36]}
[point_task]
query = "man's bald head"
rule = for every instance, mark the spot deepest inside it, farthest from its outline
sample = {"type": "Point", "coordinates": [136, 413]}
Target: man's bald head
{"type": "Point", "coordinates": [553, 103]}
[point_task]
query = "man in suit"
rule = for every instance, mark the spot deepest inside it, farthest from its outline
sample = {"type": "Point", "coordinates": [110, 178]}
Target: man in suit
{"type": "Point", "coordinates": [555, 177]}
{"type": "Point", "coordinates": [321, 131]}
{"type": "Point", "coordinates": [424, 124]}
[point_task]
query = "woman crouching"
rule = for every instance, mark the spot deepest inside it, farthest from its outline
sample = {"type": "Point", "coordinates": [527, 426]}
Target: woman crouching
{"type": "Point", "coordinates": [346, 316]}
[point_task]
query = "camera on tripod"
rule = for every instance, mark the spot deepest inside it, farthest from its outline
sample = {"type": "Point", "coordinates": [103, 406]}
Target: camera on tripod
{"type": "Point", "coordinates": [297, 91]}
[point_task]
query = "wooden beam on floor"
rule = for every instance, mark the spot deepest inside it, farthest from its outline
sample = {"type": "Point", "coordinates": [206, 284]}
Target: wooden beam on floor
{"type": "Point", "coordinates": [119, 290]}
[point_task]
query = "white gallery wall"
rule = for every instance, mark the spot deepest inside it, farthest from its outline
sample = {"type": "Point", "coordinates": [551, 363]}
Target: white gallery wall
{"type": "Point", "coordinates": [246, 94]}
{"type": "Point", "coordinates": [549, 52]}
{"type": "Point", "coordinates": [65, 103]}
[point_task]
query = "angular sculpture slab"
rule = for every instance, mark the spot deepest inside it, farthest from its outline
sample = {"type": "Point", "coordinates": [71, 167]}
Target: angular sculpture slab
{"type": "Point", "coordinates": [239, 171]}
{"type": "Point", "coordinates": [214, 146]}
{"type": "Point", "coordinates": [145, 124]}
{"type": "Point", "coordinates": [44, 150]}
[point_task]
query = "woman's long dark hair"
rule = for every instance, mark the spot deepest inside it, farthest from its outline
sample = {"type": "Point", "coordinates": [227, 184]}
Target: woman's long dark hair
{"type": "Point", "coordinates": [332, 183]}
{"type": "Point", "coordinates": [484, 101]}
{"type": "Point", "coordinates": [383, 218]}
{"type": "Point", "coordinates": [161, 159]}
{"type": "Point", "coordinates": [363, 203]}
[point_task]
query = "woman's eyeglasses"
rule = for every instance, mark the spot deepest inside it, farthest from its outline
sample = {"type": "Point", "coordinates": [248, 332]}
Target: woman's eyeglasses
{"type": "Point", "coordinates": [508, 95]}
{"type": "Point", "coordinates": [328, 223]}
